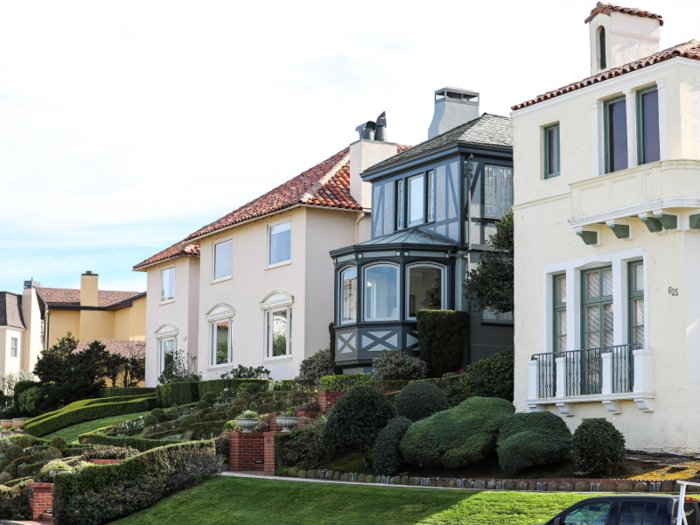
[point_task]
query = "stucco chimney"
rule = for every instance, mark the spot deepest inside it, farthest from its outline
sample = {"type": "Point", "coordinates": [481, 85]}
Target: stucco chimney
{"type": "Point", "coordinates": [453, 107]}
{"type": "Point", "coordinates": [620, 35]}
{"type": "Point", "coordinates": [88, 289]}
{"type": "Point", "coordinates": [31, 342]}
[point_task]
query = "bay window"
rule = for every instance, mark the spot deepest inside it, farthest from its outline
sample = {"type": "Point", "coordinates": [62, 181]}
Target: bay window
{"type": "Point", "coordinates": [167, 284]}
{"type": "Point", "coordinates": [381, 293]}
{"type": "Point", "coordinates": [425, 288]}
{"type": "Point", "coordinates": [348, 291]}
{"type": "Point", "coordinates": [223, 260]}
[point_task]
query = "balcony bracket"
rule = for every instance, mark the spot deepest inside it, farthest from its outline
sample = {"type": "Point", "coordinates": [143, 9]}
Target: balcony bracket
{"type": "Point", "coordinates": [536, 407]}
{"type": "Point", "coordinates": [590, 237]}
{"type": "Point", "coordinates": [652, 223]}
{"type": "Point", "coordinates": [644, 404]}
{"type": "Point", "coordinates": [620, 229]}
{"type": "Point", "coordinates": [669, 222]}
{"type": "Point", "coordinates": [613, 406]}
{"type": "Point", "coordinates": [566, 409]}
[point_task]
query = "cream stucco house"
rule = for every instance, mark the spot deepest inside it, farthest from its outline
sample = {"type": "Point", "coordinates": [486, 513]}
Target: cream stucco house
{"type": "Point", "coordinates": [255, 287]}
{"type": "Point", "coordinates": [20, 329]}
{"type": "Point", "coordinates": [607, 237]}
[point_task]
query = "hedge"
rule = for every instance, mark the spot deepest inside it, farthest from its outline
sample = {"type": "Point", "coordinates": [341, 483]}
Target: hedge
{"type": "Point", "coordinates": [386, 454]}
{"type": "Point", "coordinates": [420, 400]}
{"type": "Point", "coordinates": [14, 504]}
{"type": "Point", "coordinates": [72, 416]}
{"type": "Point", "coordinates": [442, 339]}
{"type": "Point", "coordinates": [206, 429]}
{"type": "Point", "coordinates": [139, 443]}
{"type": "Point", "coordinates": [177, 394]}
{"type": "Point", "coordinates": [126, 391]}
{"type": "Point", "coordinates": [491, 377]}
{"type": "Point", "coordinates": [120, 399]}
{"type": "Point", "coordinates": [156, 464]}
{"type": "Point", "coordinates": [284, 384]}
{"type": "Point", "coordinates": [22, 386]}
{"type": "Point", "coordinates": [344, 382]}
{"type": "Point", "coordinates": [217, 385]}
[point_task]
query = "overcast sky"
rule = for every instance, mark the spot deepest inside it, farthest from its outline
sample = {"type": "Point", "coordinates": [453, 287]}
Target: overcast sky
{"type": "Point", "coordinates": [125, 126]}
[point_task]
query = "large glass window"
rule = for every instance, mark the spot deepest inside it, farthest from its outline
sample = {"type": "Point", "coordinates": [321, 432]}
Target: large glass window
{"type": "Point", "coordinates": [348, 283]}
{"type": "Point", "coordinates": [381, 293]}
{"type": "Point", "coordinates": [280, 243]}
{"type": "Point", "coordinates": [278, 332]}
{"type": "Point", "coordinates": [221, 342]}
{"type": "Point", "coordinates": [425, 289]}
{"type": "Point", "coordinates": [14, 346]}
{"type": "Point", "coordinates": [223, 260]}
{"type": "Point", "coordinates": [597, 308]}
{"type": "Point", "coordinates": [636, 304]}
{"type": "Point", "coordinates": [648, 145]}
{"type": "Point", "coordinates": [399, 205]}
{"type": "Point", "coordinates": [560, 313]}
{"type": "Point", "coordinates": [551, 151]}
{"type": "Point", "coordinates": [615, 135]}
{"type": "Point", "coordinates": [167, 352]}
{"type": "Point", "coordinates": [416, 200]}
{"type": "Point", "coordinates": [499, 190]}
{"type": "Point", "coordinates": [168, 284]}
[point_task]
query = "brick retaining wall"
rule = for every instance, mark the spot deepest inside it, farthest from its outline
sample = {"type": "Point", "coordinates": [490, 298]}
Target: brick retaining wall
{"type": "Point", "coordinates": [40, 498]}
{"type": "Point", "coordinates": [246, 451]}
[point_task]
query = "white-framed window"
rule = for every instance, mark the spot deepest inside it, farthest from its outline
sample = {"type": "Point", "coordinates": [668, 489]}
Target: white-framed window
{"type": "Point", "coordinates": [489, 316]}
{"type": "Point", "coordinates": [416, 200]}
{"type": "Point", "coordinates": [277, 325]}
{"type": "Point", "coordinates": [14, 346]}
{"type": "Point", "coordinates": [167, 279]}
{"type": "Point", "coordinates": [348, 295]}
{"type": "Point", "coordinates": [381, 292]}
{"type": "Point", "coordinates": [220, 319]}
{"type": "Point", "coordinates": [498, 190]}
{"type": "Point", "coordinates": [166, 335]}
{"type": "Point", "coordinates": [279, 243]}
{"type": "Point", "coordinates": [223, 260]}
{"type": "Point", "coordinates": [425, 288]}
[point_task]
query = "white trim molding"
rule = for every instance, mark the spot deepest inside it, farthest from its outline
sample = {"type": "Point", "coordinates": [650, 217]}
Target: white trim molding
{"type": "Point", "coordinates": [220, 312]}
{"type": "Point", "coordinates": [276, 299]}
{"type": "Point", "coordinates": [166, 331]}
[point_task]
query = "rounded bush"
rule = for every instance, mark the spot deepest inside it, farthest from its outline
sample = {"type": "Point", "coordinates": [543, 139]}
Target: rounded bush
{"type": "Point", "coordinates": [159, 414]}
{"type": "Point", "coordinates": [241, 402]}
{"type": "Point", "coordinates": [24, 441]}
{"type": "Point", "coordinates": [209, 398]}
{"type": "Point", "coordinates": [189, 422]}
{"type": "Point", "coordinates": [150, 420]}
{"type": "Point", "coordinates": [52, 453]}
{"type": "Point", "coordinates": [419, 400]}
{"type": "Point", "coordinates": [246, 396]}
{"type": "Point", "coordinates": [597, 446]}
{"type": "Point", "coordinates": [250, 388]}
{"type": "Point", "coordinates": [387, 458]}
{"type": "Point", "coordinates": [396, 364]}
{"type": "Point", "coordinates": [460, 436]}
{"type": "Point", "coordinates": [532, 438]}
{"type": "Point", "coordinates": [356, 420]}
{"type": "Point", "coordinates": [58, 442]}
{"type": "Point", "coordinates": [202, 405]}
{"type": "Point", "coordinates": [234, 412]}
{"type": "Point", "coordinates": [14, 452]}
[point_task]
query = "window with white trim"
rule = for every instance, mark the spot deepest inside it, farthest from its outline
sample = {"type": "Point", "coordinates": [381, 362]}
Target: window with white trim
{"type": "Point", "coordinates": [426, 288]}
{"type": "Point", "coordinates": [348, 295]}
{"type": "Point", "coordinates": [166, 350]}
{"type": "Point", "coordinates": [223, 260]}
{"type": "Point", "coordinates": [279, 243]}
{"type": "Point", "coordinates": [220, 319]}
{"type": "Point", "coordinates": [167, 276]}
{"type": "Point", "coordinates": [381, 293]}
{"type": "Point", "coordinates": [277, 328]}
{"type": "Point", "coordinates": [416, 200]}
{"type": "Point", "coordinates": [14, 347]}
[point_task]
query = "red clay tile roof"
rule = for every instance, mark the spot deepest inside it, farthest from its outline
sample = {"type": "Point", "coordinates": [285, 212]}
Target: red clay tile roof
{"type": "Point", "coordinates": [606, 9]}
{"type": "Point", "coordinates": [119, 346]}
{"type": "Point", "coordinates": [180, 249]}
{"type": "Point", "coordinates": [690, 50]}
{"type": "Point", "coordinates": [65, 297]}
{"type": "Point", "coordinates": [326, 185]}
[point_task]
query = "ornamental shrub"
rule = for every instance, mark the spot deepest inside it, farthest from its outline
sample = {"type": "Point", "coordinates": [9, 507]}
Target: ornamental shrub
{"type": "Point", "coordinates": [13, 453]}
{"type": "Point", "coordinates": [532, 438]}
{"type": "Point", "coordinates": [396, 364]}
{"type": "Point", "coordinates": [313, 368]}
{"type": "Point", "coordinates": [217, 386]}
{"type": "Point", "coordinates": [159, 414]}
{"type": "Point", "coordinates": [177, 394]}
{"type": "Point", "coordinates": [150, 420]}
{"type": "Point", "coordinates": [189, 422]}
{"type": "Point", "coordinates": [442, 338]}
{"type": "Point", "coordinates": [386, 454]}
{"type": "Point", "coordinates": [20, 387]}
{"type": "Point", "coordinates": [597, 446]}
{"type": "Point", "coordinates": [58, 443]}
{"type": "Point", "coordinates": [492, 377]}
{"type": "Point", "coordinates": [52, 453]}
{"type": "Point", "coordinates": [419, 400]}
{"type": "Point", "coordinates": [222, 446]}
{"type": "Point", "coordinates": [234, 412]}
{"type": "Point", "coordinates": [356, 420]}
{"type": "Point", "coordinates": [209, 398]}
{"type": "Point", "coordinates": [341, 383]}
{"type": "Point", "coordinates": [202, 405]}
{"type": "Point", "coordinates": [126, 391]}
{"type": "Point", "coordinates": [460, 436]}
{"type": "Point", "coordinates": [25, 441]}
{"type": "Point", "coordinates": [302, 448]}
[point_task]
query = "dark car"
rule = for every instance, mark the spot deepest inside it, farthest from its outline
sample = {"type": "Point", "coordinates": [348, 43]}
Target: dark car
{"type": "Point", "coordinates": [628, 510]}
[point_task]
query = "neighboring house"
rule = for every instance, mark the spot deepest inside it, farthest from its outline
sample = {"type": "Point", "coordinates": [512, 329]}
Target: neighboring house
{"type": "Point", "coordinates": [127, 349]}
{"type": "Point", "coordinates": [608, 190]}
{"type": "Point", "coordinates": [20, 329]}
{"type": "Point", "coordinates": [425, 234]}
{"type": "Point", "coordinates": [255, 288]}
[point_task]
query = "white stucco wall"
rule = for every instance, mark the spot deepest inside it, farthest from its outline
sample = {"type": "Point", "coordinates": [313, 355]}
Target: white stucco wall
{"type": "Point", "coordinates": [10, 364]}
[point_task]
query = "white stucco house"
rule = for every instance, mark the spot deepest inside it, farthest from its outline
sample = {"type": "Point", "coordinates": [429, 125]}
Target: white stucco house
{"type": "Point", "coordinates": [607, 235]}
{"type": "Point", "coordinates": [20, 329]}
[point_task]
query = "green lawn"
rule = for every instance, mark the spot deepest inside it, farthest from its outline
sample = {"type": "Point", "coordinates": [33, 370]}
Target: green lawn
{"type": "Point", "coordinates": [70, 434]}
{"type": "Point", "coordinates": [225, 500]}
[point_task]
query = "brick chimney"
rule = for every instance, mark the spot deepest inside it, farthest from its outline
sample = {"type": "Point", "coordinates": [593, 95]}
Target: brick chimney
{"type": "Point", "coordinates": [88, 289]}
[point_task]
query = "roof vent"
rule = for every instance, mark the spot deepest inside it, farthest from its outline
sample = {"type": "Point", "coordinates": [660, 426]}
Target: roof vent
{"type": "Point", "coordinates": [453, 107]}
{"type": "Point", "coordinates": [372, 130]}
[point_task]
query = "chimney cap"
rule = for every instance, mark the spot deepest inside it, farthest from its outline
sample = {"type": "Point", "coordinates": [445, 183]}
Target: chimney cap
{"type": "Point", "coordinates": [455, 93]}
{"type": "Point", "coordinates": [88, 272]}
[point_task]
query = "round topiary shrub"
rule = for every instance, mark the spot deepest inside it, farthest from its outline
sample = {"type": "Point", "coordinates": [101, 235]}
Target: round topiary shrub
{"type": "Point", "coordinates": [52, 453]}
{"type": "Point", "coordinates": [245, 396]}
{"type": "Point", "coordinates": [202, 405]}
{"type": "Point", "coordinates": [189, 422]}
{"type": "Point", "coordinates": [250, 388]}
{"type": "Point", "coordinates": [150, 420]}
{"type": "Point", "coordinates": [387, 458]}
{"type": "Point", "coordinates": [356, 420]}
{"type": "Point", "coordinates": [597, 446]}
{"type": "Point", "coordinates": [396, 364]}
{"type": "Point", "coordinates": [532, 438]}
{"type": "Point", "coordinates": [24, 441]}
{"type": "Point", "coordinates": [14, 452]}
{"type": "Point", "coordinates": [159, 414]}
{"type": "Point", "coordinates": [234, 412]}
{"type": "Point", "coordinates": [58, 442]}
{"type": "Point", "coordinates": [419, 400]}
{"type": "Point", "coordinates": [209, 398]}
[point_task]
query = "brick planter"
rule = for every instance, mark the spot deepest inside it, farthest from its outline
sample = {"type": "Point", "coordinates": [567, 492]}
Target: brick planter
{"type": "Point", "coordinates": [246, 451]}
{"type": "Point", "coordinates": [105, 461]}
{"type": "Point", "coordinates": [40, 498]}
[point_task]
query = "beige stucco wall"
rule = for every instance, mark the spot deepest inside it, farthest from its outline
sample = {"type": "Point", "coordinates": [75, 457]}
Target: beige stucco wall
{"type": "Point", "coordinates": [546, 243]}
{"type": "Point", "coordinates": [130, 323]}
{"type": "Point", "coordinates": [60, 323]}
{"type": "Point", "coordinates": [96, 324]}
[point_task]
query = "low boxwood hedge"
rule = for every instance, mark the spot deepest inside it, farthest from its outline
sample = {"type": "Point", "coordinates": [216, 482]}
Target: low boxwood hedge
{"type": "Point", "coordinates": [216, 386]}
{"type": "Point", "coordinates": [344, 382]}
{"type": "Point", "coordinates": [207, 430]}
{"type": "Point", "coordinates": [126, 391]}
{"type": "Point", "coordinates": [177, 394]}
{"type": "Point", "coordinates": [70, 415]}
{"type": "Point", "coordinates": [120, 399]}
{"type": "Point", "coordinates": [97, 438]}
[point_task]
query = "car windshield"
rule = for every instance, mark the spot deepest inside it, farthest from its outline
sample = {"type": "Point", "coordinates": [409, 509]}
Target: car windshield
{"type": "Point", "coordinates": [594, 513]}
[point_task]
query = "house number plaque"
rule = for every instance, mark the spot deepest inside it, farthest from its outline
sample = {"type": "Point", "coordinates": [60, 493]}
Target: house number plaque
{"type": "Point", "coordinates": [672, 291]}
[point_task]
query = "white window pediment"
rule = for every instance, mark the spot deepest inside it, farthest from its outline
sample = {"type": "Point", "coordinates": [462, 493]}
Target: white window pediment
{"type": "Point", "coordinates": [276, 299]}
{"type": "Point", "coordinates": [166, 331]}
{"type": "Point", "coordinates": [220, 311]}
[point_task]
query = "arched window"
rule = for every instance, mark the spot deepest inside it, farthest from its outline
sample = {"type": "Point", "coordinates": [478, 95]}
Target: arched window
{"type": "Point", "coordinates": [220, 318]}
{"type": "Point", "coordinates": [425, 288]}
{"type": "Point", "coordinates": [381, 293]}
{"type": "Point", "coordinates": [277, 314]}
{"type": "Point", "coordinates": [348, 295]}
{"type": "Point", "coordinates": [166, 336]}
{"type": "Point", "coordinates": [601, 48]}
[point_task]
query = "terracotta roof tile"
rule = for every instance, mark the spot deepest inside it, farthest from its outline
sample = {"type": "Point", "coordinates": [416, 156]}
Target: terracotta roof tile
{"type": "Point", "coordinates": [690, 50]}
{"type": "Point", "coordinates": [119, 346]}
{"type": "Point", "coordinates": [606, 9]}
{"type": "Point", "coordinates": [180, 249]}
{"type": "Point", "coordinates": [68, 298]}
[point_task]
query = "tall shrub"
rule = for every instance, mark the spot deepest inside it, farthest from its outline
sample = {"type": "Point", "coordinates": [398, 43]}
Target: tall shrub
{"type": "Point", "coordinates": [396, 364]}
{"type": "Point", "coordinates": [419, 400]}
{"type": "Point", "coordinates": [443, 337]}
{"type": "Point", "coordinates": [492, 377]}
{"type": "Point", "coordinates": [313, 368]}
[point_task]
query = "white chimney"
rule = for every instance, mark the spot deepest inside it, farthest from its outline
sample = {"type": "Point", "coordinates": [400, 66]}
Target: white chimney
{"type": "Point", "coordinates": [453, 107]}
{"type": "Point", "coordinates": [620, 35]}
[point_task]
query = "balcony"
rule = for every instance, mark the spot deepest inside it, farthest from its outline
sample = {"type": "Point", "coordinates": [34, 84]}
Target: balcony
{"type": "Point", "coordinates": [605, 375]}
{"type": "Point", "coordinates": [654, 193]}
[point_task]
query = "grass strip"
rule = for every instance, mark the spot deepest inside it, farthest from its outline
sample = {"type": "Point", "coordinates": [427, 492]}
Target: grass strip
{"type": "Point", "coordinates": [70, 434]}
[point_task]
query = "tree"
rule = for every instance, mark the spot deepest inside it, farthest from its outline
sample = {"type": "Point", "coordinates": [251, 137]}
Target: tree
{"type": "Point", "coordinates": [490, 285]}
{"type": "Point", "coordinates": [182, 369]}
{"type": "Point", "coordinates": [113, 367]}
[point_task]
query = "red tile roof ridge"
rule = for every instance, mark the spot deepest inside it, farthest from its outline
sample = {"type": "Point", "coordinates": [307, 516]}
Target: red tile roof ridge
{"type": "Point", "coordinates": [70, 297]}
{"type": "Point", "coordinates": [689, 50]}
{"type": "Point", "coordinates": [320, 183]}
{"type": "Point", "coordinates": [179, 249]}
{"type": "Point", "coordinates": [606, 9]}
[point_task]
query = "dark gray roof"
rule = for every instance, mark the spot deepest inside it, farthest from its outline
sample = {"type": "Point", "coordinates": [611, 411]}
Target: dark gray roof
{"type": "Point", "coordinates": [412, 236]}
{"type": "Point", "coordinates": [486, 131]}
{"type": "Point", "coordinates": [11, 310]}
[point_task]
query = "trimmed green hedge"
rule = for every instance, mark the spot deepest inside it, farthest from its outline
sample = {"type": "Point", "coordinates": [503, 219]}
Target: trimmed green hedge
{"type": "Point", "coordinates": [442, 337]}
{"type": "Point", "coordinates": [344, 382]}
{"type": "Point", "coordinates": [206, 429]}
{"type": "Point", "coordinates": [139, 443]}
{"type": "Point", "coordinates": [120, 399]}
{"type": "Point", "coordinates": [177, 394]}
{"type": "Point", "coordinates": [73, 415]}
{"type": "Point", "coordinates": [386, 454]}
{"type": "Point", "coordinates": [217, 386]}
{"type": "Point", "coordinates": [127, 391]}
{"type": "Point", "coordinates": [420, 400]}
